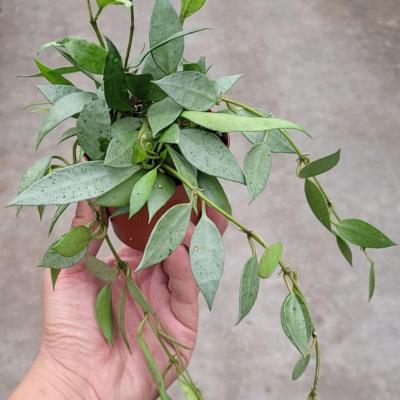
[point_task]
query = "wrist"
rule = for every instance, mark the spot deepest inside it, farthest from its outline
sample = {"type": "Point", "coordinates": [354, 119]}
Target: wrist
{"type": "Point", "coordinates": [48, 379]}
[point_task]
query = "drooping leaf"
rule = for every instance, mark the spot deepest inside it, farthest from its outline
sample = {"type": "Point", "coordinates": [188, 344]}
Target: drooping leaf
{"type": "Point", "coordinates": [94, 128]}
{"type": "Point", "coordinates": [320, 166]}
{"type": "Point", "coordinates": [60, 70]}
{"type": "Point", "coordinates": [104, 312]}
{"type": "Point", "coordinates": [73, 242]}
{"type": "Point", "coordinates": [212, 189]}
{"type": "Point", "coordinates": [141, 192]}
{"type": "Point", "coordinates": [317, 202]}
{"type": "Point", "coordinates": [162, 114]}
{"type": "Point", "coordinates": [52, 75]}
{"type": "Point", "coordinates": [101, 270]}
{"type": "Point", "coordinates": [170, 135]}
{"type": "Point", "coordinates": [222, 122]}
{"type": "Point", "coordinates": [345, 249]}
{"type": "Point", "coordinates": [182, 166]}
{"type": "Point", "coordinates": [115, 85]}
{"type": "Point", "coordinates": [300, 367]}
{"type": "Point", "coordinates": [53, 93]}
{"type": "Point", "coordinates": [296, 323]}
{"type": "Point", "coordinates": [121, 194]}
{"type": "Point", "coordinates": [123, 125]}
{"type": "Point", "coordinates": [120, 150]}
{"type": "Point", "coordinates": [74, 183]}
{"type": "Point", "coordinates": [164, 23]}
{"type": "Point", "coordinates": [209, 154]}
{"type": "Point", "coordinates": [249, 285]}
{"type": "Point", "coordinates": [189, 390]}
{"type": "Point", "coordinates": [54, 260]}
{"type": "Point", "coordinates": [139, 85]}
{"type": "Point", "coordinates": [189, 7]}
{"type": "Point", "coordinates": [371, 287]}
{"type": "Point", "coordinates": [192, 90]}
{"type": "Point", "coordinates": [69, 133]}
{"type": "Point", "coordinates": [138, 296]}
{"type": "Point", "coordinates": [88, 55]}
{"type": "Point", "coordinates": [64, 108]}
{"type": "Point", "coordinates": [256, 169]}
{"type": "Point", "coordinates": [54, 273]}
{"type": "Point", "coordinates": [163, 189]}
{"type": "Point", "coordinates": [278, 143]}
{"type": "Point", "coordinates": [225, 83]}
{"type": "Point", "coordinates": [167, 235]}
{"type": "Point", "coordinates": [270, 260]}
{"type": "Point", "coordinates": [363, 234]}
{"type": "Point", "coordinates": [207, 257]}
{"type": "Point", "coordinates": [121, 318]}
{"type": "Point", "coordinates": [59, 211]}
{"type": "Point", "coordinates": [105, 3]}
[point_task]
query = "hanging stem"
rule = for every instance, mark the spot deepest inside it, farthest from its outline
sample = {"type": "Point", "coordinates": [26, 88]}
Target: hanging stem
{"type": "Point", "coordinates": [131, 33]}
{"type": "Point", "coordinates": [93, 23]}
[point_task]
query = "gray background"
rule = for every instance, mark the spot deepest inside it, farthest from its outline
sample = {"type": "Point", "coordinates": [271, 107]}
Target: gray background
{"type": "Point", "coordinates": [334, 67]}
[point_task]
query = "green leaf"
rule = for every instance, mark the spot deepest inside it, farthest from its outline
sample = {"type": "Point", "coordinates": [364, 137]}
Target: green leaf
{"type": "Point", "coordinates": [300, 367]}
{"type": "Point", "coordinates": [120, 150]}
{"type": "Point", "coordinates": [73, 242]}
{"type": "Point", "coordinates": [74, 183]}
{"type": "Point", "coordinates": [256, 168]}
{"type": "Point", "coordinates": [199, 66]}
{"type": "Point", "coordinates": [52, 75]}
{"type": "Point", "coordinates": [54, 260]}
{"type": "Point", "coordinates": [189, 7]}
{"type": "Point", "coordinates": [225, 83]}
{"type": "Point", "coordinates": [167, 235]}
{"type": "Point", "coordinates": [104, 312]}
{"type": "Point", "coordinates": [105, 3]}
{"type": "Point", "coordinates": [53, 93]}
{"type": "Point", "coordinates": [54, 272]}
{"type": "Point", "coordinates": [235, 123]}
{"type": "Point", "coordinates": [163, 189]}
{"type": "Point", "coordinates": [139, 85]}
{"type": "Point", "coordinates": [278, 143]}
{"type": "Point", "coordinates": [121, 318]}
{"type": "Point", "coordinates": [317, 202]}
{"type": "Point", "coordinates": [363, 234]}
{"type": "Point", "coordinates": [115, 85]}
{"type": "Point", "coordinates": [249, 285]}
{"type": "Point", "coordinates": [155, 93]}
{"type": "Point", "coordinates": [69, 133]}
{"type": "Point", "coordinates": [171, 38]}
{"type": "Point", "coordinates": [88, 55]}
{"type": "Point", "coordinates": [141, 192]}
{"type": "Point", "coordinates": [139, 153]}
{"type": "Point", "coordinates": [320, 166]}
{"type": "Point", "coordinates": [101, 270]}
{"type": "Point", "coordinates": [121, 194]}
{"type": "Point", "coordinates": [60, 70]}
{"type": "Point", "coordinates": [123, 125]}
{"type": "Point", "coordinates": [183, 166]}
{"type": "Point", "coordinates": [138, 297]}
{"type": "Point", "coordinates": [296, 323]}
{"type": "Point", "coordinates": [64, 108]}
{"type": "Point", "coordinates": [212, 189]}
{"type": "Point", "coordinates": [59, 211]}
{"type": "Point", "coordinates": [94, 128]}
{"type": "Point", "coordinates": [371, 288]}
{"type": "Point", "coordinates": [207, 257]}
{"type": "Point", "coordinates": [170, 135]}
{"type": "Point", "coordinates": [162, 114]}
{"type": "Point", "coordinates": [270, 260]}
{"type": "Point", "coordinates": [189, 390]}
{"type": "Point", "coordinates": [209, 154]}
{"type": "Point", "coordinates": [192, 90]}
{"type": "Point", "coordinates": [345, 249]}
{"type": "Point", "coordinates": [163, 24]}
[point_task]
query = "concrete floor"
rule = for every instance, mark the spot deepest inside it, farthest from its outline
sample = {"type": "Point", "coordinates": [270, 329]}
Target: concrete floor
{"type": "Point", "coordinates": [334, 67]}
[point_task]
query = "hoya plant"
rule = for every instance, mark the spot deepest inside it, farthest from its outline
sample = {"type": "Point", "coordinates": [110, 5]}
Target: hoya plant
{"type": "Point", "coordinates": [150, 144]}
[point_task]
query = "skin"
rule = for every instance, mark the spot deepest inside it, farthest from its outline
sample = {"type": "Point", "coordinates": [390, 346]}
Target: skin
{"type": "Point", "coordinates": [75, 362]}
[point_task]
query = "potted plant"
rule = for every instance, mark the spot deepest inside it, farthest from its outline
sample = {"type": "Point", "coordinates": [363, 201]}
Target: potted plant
{"type": "Point", "coordinates": [150, 143]}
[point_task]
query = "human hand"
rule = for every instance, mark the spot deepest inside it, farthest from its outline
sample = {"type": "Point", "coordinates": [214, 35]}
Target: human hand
{"type": "Point", "coordinates": [74, 359]}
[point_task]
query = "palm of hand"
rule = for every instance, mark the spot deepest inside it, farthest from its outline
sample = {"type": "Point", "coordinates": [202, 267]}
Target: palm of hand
{"type": "Point", "coordinates": [73, 340]}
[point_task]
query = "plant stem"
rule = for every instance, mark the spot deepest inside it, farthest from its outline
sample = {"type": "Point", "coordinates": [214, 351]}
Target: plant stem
{"type": "Point", "coordinates": [66, 162]}
{"type": "Point", "coordinates": [131, 33]}
{"type": "Point", "coordinates": [314, 389]}
{"type": "Point", "coordinates": [93, 23]}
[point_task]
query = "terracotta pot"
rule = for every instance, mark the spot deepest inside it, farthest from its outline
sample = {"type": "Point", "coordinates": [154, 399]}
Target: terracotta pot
{"type": "Point", "coordinates": [135, 232]}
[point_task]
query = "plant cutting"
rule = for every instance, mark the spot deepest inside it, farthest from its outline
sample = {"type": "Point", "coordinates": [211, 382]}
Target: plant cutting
{"type": "Point", "coordinates": [149, 149]}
